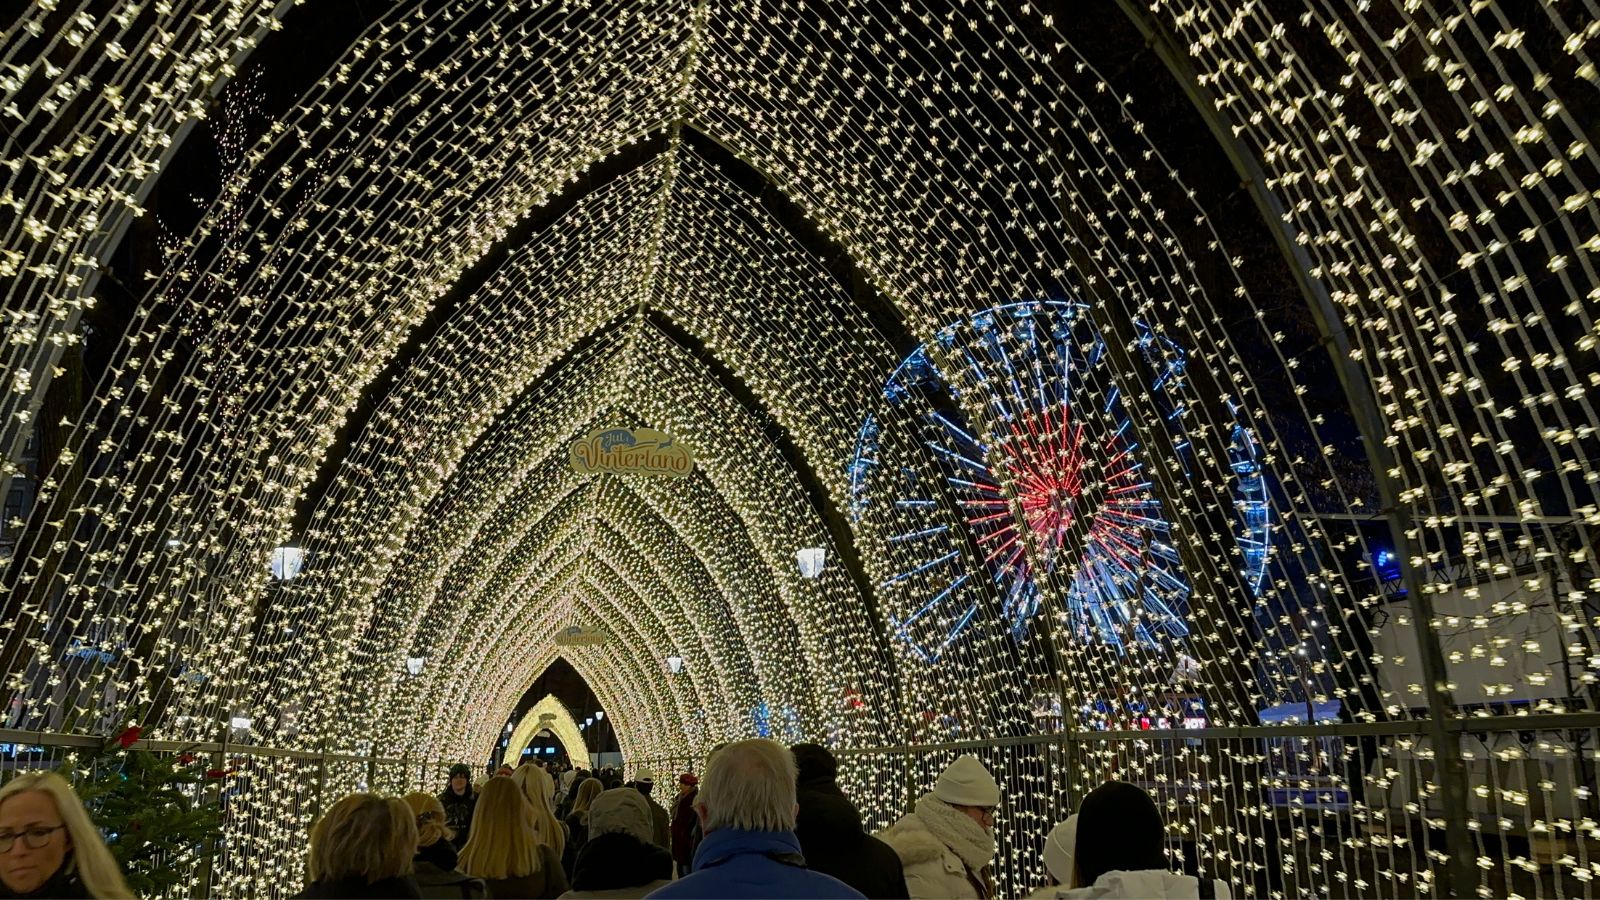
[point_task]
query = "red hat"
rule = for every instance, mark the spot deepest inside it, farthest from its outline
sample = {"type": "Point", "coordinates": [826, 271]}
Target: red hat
{"type": "Point", "coordinates": [688, 779]}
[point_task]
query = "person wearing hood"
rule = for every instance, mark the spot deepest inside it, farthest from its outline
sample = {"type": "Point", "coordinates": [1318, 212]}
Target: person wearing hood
{"type": "Point", "coordinates": [620, 859]}
{"type": "Point", "coordinates": [750, 851]}
{"type": "Point", "coordinates": [434, 866]}
{"type": "Point", "coordinates": [830, 832]}
{"type": "Point", "coordinates": [1058, 863]}
{"type": "Point", "coordinates": [946, 843]}
{"type": "Point", "coordinates": [1115, 847]}
{"type": "Point", "coordinates": [459, 799]}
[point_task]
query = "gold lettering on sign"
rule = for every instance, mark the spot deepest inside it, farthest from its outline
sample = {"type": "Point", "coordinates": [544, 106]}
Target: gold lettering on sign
{"type": "Point", "coordinates": [630, 451]}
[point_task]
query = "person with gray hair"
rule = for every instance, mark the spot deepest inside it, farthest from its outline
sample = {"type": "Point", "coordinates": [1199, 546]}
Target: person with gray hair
{"type": "Point", "coordinates": [748, 805]}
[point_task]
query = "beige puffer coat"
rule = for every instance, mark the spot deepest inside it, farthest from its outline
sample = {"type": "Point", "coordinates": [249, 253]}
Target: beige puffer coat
{"type": "Point", "coordinates": [933, 870]}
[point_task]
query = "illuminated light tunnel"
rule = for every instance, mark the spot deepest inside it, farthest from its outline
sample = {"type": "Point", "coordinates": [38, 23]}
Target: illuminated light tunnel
{"type": "Point", "coordinates": [1188, 392]}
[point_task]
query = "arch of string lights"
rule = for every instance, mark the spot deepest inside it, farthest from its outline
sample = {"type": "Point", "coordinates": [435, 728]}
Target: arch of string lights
{"type": "Point", "coordinates": [1425, 168]}
{"type": "Point", "coordinates": [549, 714]}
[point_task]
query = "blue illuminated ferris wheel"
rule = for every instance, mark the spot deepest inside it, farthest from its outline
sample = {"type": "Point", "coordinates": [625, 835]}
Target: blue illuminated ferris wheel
{"type": "Point", "coordinates": [1017, 461]}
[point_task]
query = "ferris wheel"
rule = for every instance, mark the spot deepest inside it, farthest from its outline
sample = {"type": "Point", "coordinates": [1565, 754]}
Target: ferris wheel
{"type": "Point", "coordinates": [1019, 463]}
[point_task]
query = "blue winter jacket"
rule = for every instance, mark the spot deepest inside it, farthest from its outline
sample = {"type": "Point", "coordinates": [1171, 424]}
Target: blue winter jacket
{"type": "Point", "coordinates": [731, 864]}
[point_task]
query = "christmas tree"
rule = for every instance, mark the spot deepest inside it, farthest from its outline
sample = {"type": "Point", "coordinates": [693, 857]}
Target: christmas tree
{"type": "Point", "coordinates": [154, 810]}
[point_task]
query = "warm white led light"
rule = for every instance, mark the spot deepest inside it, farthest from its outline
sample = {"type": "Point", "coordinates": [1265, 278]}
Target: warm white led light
{"type": "Point", "coordinates": [822, 256]}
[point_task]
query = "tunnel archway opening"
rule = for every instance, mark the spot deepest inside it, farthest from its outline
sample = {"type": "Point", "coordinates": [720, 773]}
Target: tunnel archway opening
{"type": "Point", "coordinates": [561, 693]}
{"type": "Point", "coordinates": [549, 729]}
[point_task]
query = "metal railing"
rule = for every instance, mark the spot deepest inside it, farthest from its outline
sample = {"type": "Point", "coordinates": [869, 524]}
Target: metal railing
{"type": "Point", "coordinates": [1330, 809]}
{"type": "Point", "coordinates": [1337, 809]}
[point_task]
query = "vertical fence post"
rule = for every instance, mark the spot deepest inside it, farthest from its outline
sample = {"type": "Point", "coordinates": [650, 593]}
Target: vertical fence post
{"type": "Point", "coordinates": [372, 768]}
{"type": "Point", "coordinates": [911, 782]}
{"type": "Point", "coordinates": [1071, 767]}
{"type": "Point", "coordinates": [322, 779]}
{"type": "Point", "coordinates": [1047, 750]}
{"type": "Point", "coordinates": [219, 763]}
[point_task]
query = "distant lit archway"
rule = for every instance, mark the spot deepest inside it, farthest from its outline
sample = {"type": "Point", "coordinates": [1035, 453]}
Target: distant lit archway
{"type": "Point", "coordinates": [549, 714]}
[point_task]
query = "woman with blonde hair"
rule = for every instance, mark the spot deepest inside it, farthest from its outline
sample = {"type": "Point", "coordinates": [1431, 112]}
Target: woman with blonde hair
{"type": "Point", "coordinates": [505, 851]}
{"type": "Point", "coordinates": [49, 847]}
{"type": "Point", "coordinates": [538, 787]}
{"type": "Point", "coordinates": [435, 862]}
{"type": "Point", "coordinates": [578, 822]}
{"type": "Point", "coordinates": [362, 847]}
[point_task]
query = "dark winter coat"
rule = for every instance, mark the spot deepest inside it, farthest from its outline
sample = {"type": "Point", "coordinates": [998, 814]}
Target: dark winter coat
{"type": "Point", "coordinates": [404, 888]}
{"type": "Point", "coordinates": [619, 865]}
{"type": "Point", "coordinates": [436, 874]}
{"type": "Point", "coordinates": [734, 863]}
{"type": "Point", "coordinates": [458, 809]}
{"type": "Point", "coordinates": [451, 884]}
{"type": "Point", "coordinates": [684, 834]}
{"type": "Point", "coordinates": [63, 885]}
{"type": "Point", "coordinates": [662, 832]}
{"type": "Point", "coordinates": [577, 835]}
{"type": "Point", "coordinates": [571, 795]}
{"type": "Point", "coordinates": [833, 842]}
{"type": "Point", "coordinates": [439, 854]}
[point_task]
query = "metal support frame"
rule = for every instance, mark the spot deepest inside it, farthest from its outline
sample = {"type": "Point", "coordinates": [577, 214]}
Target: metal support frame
{"type": "Point", "coordinates": [322, 781]}
{"type": "Point", "coordinates": [1509, 724]}
{"type": "Point", "coordinates": [1070, 750]}
{"type": "Point", "coordinates": [88, 741]}
{"type": "Point", "coordinates": [1393, 728]}
{"type": "Point", "coordinates": [219, 762]}
{"type": "Point", "coordinates": [1461, 876]}
{"type": "Point", "coordinates": [911, 782]}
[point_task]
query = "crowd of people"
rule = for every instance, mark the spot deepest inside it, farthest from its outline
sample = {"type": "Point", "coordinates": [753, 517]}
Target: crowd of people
{"type": "Point", "coordinates": [761, 821]}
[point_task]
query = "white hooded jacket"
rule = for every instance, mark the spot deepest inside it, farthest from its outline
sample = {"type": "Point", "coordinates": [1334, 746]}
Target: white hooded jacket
{"type": "Point", "coordinates": [1150, 884]}
{"type": "Point", "coordinates": [944, 854]}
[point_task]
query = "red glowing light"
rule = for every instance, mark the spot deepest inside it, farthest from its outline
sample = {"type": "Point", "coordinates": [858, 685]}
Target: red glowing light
{"type": "Point", "coordinates": [1046, 464]}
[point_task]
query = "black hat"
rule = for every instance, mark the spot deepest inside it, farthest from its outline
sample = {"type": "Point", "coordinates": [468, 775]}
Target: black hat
{"type": "Point", "coordinates": [1119, 829]}
{"type": "Point", "coordinates": [813, 762]}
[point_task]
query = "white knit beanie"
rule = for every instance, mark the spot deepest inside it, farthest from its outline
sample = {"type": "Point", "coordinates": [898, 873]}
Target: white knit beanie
{"type": "Point", "coordinates": [966, 782]}
{"type": "Point", "coordinates": [1058, 850]}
